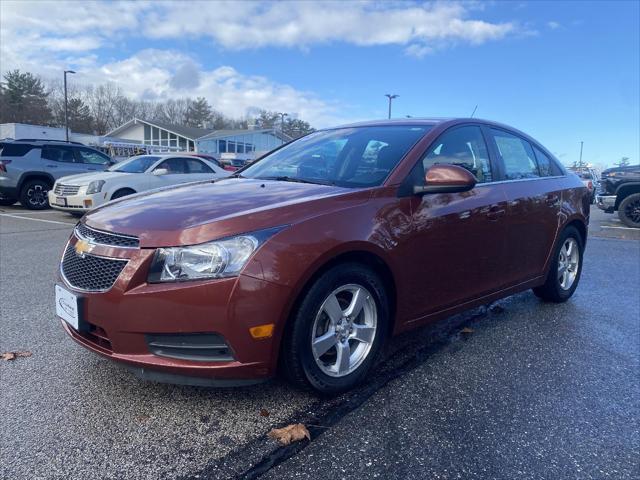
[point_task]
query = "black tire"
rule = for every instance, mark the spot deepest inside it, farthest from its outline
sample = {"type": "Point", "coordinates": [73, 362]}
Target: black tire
{"type": "Point", "coordinates": [629, 211]}
{"type": "Point", "coordinates": [297, 357]}
{"type": "Point", "coordinates": [33, 194]}
{"type": "Point", "coordinates": [6, 202]}
{"type": "Point", "coordinates": [123, 192]}
{"type": "Point", "coordinates": [552, 290]}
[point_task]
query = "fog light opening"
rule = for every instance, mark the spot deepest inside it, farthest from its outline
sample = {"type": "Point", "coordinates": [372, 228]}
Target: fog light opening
{"type": "Point", "coordinates": [262, 331]}
{"type": "Point", "coordinates": [88, 203]}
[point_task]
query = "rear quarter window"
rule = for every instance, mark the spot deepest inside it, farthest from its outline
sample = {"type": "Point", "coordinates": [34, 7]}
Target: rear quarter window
{"type": "Point", "coordinates": [15, 150]}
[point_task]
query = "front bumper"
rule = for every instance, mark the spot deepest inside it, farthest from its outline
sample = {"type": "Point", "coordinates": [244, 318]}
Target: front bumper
{"type": "Point", "coordinates": [118, 322]}
{"type": "Point", "coordinates": [76, 203]}
{"type": "Point", "coordinates": [606, 202]}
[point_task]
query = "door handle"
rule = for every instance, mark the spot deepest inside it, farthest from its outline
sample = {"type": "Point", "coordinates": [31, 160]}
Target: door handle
{"type": "Point", "coordinates": [551, 199]}
{"type": "Point", "coordinates": [52, 166]}
{"type": "Point", "coordinates": [495, 212]}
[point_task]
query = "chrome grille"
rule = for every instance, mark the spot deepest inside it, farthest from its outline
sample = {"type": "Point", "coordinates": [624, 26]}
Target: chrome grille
{"type": "Point", "coordinates": [88, 272]}
{"type": "Point", "coordinates": [65, 190]}
{"type": "Point", "coordinates": [105, 238]}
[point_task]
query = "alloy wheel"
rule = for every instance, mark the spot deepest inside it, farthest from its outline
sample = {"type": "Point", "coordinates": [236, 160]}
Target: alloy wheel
{"type": "Point", "coordinates": [632, 211]}
{"type": "Point", "coordinates": [344, 330]}
{"type": "Point", "coordinates": [568, 263]}
{"type": "Point", "coordinates": [37, 195]}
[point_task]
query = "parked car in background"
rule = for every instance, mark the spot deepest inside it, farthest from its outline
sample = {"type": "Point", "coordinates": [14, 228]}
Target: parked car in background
{"type": "Point", "coordinates": [29, 168]}
{"type": "Point", "coordinates": [80, 193]}
{"type": "Point", "coordinates": [310, 258]}
{"type": "Point", "coordinates": [589, 178]}
{"type": "Point", "coordinates": [620, 191]}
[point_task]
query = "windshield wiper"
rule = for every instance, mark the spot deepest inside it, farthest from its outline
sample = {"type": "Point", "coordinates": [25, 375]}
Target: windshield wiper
{"type": "Point", "coordinates": [285, 178]}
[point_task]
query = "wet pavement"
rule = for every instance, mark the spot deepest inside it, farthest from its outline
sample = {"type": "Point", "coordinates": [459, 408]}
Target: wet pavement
{"type": "Point", "coordinates": [534, 391]}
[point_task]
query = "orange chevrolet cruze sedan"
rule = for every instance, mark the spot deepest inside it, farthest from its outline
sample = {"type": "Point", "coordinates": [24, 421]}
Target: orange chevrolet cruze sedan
{"type": "Point", "coordinates": [306, 261]}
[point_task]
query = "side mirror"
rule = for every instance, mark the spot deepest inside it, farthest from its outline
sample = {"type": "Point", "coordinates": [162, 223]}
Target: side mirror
{"type": "Point", "coordinates": [160, 171]}
{"type": "Point", "coordinates": [446, 178]}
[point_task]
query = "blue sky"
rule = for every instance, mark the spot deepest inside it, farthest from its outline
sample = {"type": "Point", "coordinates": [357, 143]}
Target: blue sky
{"type": "Point", "coordinates": [563, 72]}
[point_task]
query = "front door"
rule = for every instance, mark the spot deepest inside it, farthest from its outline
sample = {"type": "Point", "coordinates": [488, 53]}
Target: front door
{"type": "Point", "coordinates": [455, 250]}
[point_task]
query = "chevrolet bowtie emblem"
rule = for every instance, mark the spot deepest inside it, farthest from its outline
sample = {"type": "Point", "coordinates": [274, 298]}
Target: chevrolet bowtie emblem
{"type": "Point", "coordinates": [82, 247]}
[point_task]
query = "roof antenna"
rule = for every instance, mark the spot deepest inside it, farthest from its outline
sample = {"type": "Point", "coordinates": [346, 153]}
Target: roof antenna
{"type": "Point", "coordinates": [474, 111]}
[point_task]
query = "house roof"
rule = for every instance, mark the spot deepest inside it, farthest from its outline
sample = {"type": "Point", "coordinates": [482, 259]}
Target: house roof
{"type": "Point", "coordinates": [196, 133]}
{"type": "Point", "coordinates": [189, 132]}
{"type": "Point", "coordinates": [230, 133]}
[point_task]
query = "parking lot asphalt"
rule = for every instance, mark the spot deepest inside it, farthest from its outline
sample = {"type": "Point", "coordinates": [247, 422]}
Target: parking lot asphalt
{"type": "Point", "coordinates": [533, 391]}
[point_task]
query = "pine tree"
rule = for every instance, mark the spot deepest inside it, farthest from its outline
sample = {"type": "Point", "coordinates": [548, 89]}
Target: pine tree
{"type": "Point", "coordinates": [199, 113]}
{"type": "Point", "coordinates": [23, 99]}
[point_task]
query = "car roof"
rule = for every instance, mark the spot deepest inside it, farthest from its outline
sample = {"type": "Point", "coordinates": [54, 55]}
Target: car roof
{"type": "Point", "coordinates": [38, 141]}
{"type": "Point", "coordinates": [429, 121]}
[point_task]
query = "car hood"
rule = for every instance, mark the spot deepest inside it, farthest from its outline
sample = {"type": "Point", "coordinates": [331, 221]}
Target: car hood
{"type": "Point", "coordinates": [203, 211]}
{"type": "Point", "coordinates": [83, 179]}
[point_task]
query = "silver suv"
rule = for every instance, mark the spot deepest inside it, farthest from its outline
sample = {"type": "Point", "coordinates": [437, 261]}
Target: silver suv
{"type": "Point", "coordinates": [29, 168]}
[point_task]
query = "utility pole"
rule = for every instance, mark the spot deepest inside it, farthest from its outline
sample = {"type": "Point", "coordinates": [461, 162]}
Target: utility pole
{"type": "Point", "coordinates": [66, 115]}
{"type": "Point", "coordinates": [390, 97]}
{"type": "Point", "coordinates": [580, 162]}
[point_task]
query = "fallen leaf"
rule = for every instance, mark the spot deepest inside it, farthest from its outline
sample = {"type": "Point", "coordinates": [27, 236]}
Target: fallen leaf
{"type": "Point", "coordinates": [290, 433]}
{"type": "Point", "coordinates": [467, 330]}
{"type": "Point", "coordinates": [264, 413]}
{"type": "Point", "coordinates": [14, 355]}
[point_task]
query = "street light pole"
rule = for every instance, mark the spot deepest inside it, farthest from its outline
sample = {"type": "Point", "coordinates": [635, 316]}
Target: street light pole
{"type": "Point", "coordinates": [66, 115]}
{"type": "Point", "coordinates": [390, 97]}
{"type": "Point", "coordinates": [580, 162]}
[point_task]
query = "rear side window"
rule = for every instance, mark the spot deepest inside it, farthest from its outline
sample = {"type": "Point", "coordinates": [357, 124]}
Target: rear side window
{"type": "Point", "coordinates": [517, 156]}
{"type": "Point", "coordinates": [547, 166]}
{"type": "Point", "coordinates": [15, 149]}
{"type": "Point", "coordinates": [58, 154]}
{"type": "Point", "coordinates": [465, 147]}
{"type": "Point", "coordinates": [196, 166]}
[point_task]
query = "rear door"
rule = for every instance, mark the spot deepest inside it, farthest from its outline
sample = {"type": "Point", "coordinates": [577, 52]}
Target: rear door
{"type": "Point", "coordinates": [534, 194]}
{"type": "Point", "coordinates": [60, 161]}
{"type": "Point", "coordinates": [198, 170]}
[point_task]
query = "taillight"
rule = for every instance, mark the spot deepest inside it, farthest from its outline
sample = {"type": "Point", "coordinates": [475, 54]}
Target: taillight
{"type": "Point", "coordinates": [3, 165]}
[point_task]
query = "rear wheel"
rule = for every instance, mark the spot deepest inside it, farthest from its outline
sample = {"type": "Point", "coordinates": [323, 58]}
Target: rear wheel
{"type": "Point", "coordinates": [629, 211]}
{"type": "Point", "coordinates": [33, 194]}
{"type": "Point", "coordinates": [564, 273]}
{"type": "Point", "coordinates": [338, 330]}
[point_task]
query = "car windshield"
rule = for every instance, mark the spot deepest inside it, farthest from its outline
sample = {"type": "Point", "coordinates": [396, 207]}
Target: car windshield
{"type": "Point", "coordinates": [135, 164]}
{"type": "Point", "coordinates": [346, 157]}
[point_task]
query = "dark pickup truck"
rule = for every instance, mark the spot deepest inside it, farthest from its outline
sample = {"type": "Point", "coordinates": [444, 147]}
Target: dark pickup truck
{"type": "Point", "coordinates": [620, 191]}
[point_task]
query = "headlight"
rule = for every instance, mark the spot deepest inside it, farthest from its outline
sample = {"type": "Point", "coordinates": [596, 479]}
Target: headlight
{"type": "Point", "coordinates": [219, 259]}
{"type": "Point", "coordinates": [95, 186]}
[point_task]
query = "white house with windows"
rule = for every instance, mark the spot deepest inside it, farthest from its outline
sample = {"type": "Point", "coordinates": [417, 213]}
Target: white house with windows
{"type": "Point", "coordinates": [242, 144]}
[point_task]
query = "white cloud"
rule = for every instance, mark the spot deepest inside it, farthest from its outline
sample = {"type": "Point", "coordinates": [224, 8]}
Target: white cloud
{"type": "Point", "coordinates": [553, 25]}
{"type": "Point", "coordinates": [46, 37]}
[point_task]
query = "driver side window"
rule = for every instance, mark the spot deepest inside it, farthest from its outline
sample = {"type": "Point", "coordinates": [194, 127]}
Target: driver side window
{"type": "Point", "coordinates": [464, 147]}
{"type": "Point", "coordinates": [173, 165]}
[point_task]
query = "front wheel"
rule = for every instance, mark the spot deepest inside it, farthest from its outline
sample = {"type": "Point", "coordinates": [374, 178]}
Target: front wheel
{"type": "Point", "coordinates": [629, 211]}
{"type": "Point", "coordinates": [338, 330]}
{"type": "Point", "coordinates": [566, 267]}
